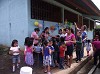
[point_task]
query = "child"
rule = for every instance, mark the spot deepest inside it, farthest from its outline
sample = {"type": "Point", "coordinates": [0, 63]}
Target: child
{"type": "Point", "coordinates": [15, 51]}
{"type": "Point", "coordinates": [62, 49]}
{"type": "Point", "coordinates": [25, 43]}
{"type": "Point", "coordinates": [47, 57]}
{"type": "Point", "coordinates": [52, 54]}
{"type": "Point", "coordinates": [29, 53]}
{"type": "Point", "coordinates": [78, 46]}
{"type": "Point", "coordinates": [56, 47]}
{"type": "Point", "coordinates": [38, 51]}
{"type": "Point", "coordinates": [88, 46]}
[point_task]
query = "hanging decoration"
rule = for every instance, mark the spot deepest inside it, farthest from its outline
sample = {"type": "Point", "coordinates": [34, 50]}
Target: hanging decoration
{"type": "Point", "coordinates": [65, 21]}
{"type": "Point", "coordinates": [40, 25]}
{"type": "Point", "coordinates": [52, 27]}
{"type": "Point", "coordinates": [69, 24]}
{"type": "Point", "coordinates": [36, 23]}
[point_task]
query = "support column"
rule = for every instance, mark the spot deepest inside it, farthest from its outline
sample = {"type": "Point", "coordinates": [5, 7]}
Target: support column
{"type": "Point", "coordinates": [82, 20]}
{"type": "Point", "coordinates": [78, 19]}
{"type": "Point", "coordinates": [89, 24]}
{"type": "Point", "coordinates": [63, 15]}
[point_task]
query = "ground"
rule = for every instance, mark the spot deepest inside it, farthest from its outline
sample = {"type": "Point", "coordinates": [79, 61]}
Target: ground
{"type": "Point", "coordinates": [6, 65]}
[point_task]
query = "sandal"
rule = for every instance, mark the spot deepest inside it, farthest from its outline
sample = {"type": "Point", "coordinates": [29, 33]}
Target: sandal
{"type": "Point", "coordinates": [45, 71]}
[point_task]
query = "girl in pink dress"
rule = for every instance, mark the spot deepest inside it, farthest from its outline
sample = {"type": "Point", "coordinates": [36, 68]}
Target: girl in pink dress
{"type": "Point", "coordinates": [29, 53]}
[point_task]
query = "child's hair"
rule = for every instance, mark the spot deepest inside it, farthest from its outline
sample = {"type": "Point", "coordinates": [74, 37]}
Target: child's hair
{"type": "Point", "coordinates": [62, 39]}
{"type": "Point", "coordinates": [29, 42]}
{"type": "Point", "coordinates": [88, 41]}
{"type": "Point", "coordinates": [45, 43]}
{"type": "Point", "coordinates": [53, 39]}
{"type": "Point", "coordinates": [62, 44]}
{"type": "Point", "coordinates": [79, 31]}
{"type": "Point", "coordinates": [64, 29]}
{"type": "Point", "coordinates": [58, 38]}
{"type": "Point", "coordinates": [26, 40]}
{"type": "Point", "coordinates": [50, 40]}
{"type": "Point", "coordinates": [36, 29]}
{"type": "Point", "coordinates": [13, 42]}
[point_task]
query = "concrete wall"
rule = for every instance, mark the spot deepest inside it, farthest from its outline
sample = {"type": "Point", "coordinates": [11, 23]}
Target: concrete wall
{"type": "Point", "coordinates": [13, 21]}
{"type": "Point", "coordinates": [4, 22]}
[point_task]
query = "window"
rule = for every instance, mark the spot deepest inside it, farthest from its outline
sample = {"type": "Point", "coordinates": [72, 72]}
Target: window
{"type": "Point", "coordinates": [44, 11]}
{"type": "Point", "coordinates": [71, 17]}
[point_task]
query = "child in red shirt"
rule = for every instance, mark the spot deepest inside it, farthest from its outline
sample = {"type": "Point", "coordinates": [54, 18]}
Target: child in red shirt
{"type": "Point", "coordinates": [62, 49]}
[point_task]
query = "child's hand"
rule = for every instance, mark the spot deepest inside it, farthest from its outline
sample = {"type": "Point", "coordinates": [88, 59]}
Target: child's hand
{"type": "Point", "coordinates": [16, 52]}
{"type": "Point", "coordinates": [10, 52]}
{"type": "Point", "coordinates": [67, 42]}
{"type": "Point", "coordinates": [50, 51]}
{"type": "Point", "coordinates": [65, 49]}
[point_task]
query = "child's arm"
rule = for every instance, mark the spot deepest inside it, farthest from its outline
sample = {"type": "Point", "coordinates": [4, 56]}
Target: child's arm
{"type": "Point", "coordinates": [10, 52]}
{"type": "Point", "coordinates": [65, 48]}
{"type": "Point", "coordinates": [53, 49]}
{"type": "Point", "coordinates": [42, 52]}
{"type": "Point", "coordinates": [90, 45]}
{"type": "Point", "coordinates": [50, 51]}
{"type": "Point", "coordinates": [33, 49]}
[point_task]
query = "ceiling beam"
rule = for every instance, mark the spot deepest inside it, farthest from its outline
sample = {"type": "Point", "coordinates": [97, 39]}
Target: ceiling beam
{"type": "Point", "coordinates": [93, 17]}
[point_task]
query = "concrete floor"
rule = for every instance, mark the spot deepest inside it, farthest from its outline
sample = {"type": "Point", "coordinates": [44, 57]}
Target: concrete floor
{"type": "Point", "coordinates": [97, 71]}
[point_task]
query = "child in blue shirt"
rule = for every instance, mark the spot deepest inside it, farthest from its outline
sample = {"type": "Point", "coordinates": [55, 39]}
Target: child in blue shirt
{"type": "Point", "coordinates": [52, 54]}
{"type": "Point", "coordinates": [47, 57]}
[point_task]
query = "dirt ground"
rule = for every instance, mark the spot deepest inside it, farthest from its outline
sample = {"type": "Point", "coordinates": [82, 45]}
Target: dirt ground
{"type": "Point", "coordinates": [6, 64]}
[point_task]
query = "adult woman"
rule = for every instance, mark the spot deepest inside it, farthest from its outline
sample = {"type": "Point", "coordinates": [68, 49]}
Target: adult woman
{"type": "Point", "coordinates": [96, 49]}
{"type": "Point", "coordinates": [69, 40]}
{"type": "Point", "coordinates": [84, 37]}
{"type": "Point", "coordinates": [35, 36]}
{"type": "Point", "coordinates": [45, 34]}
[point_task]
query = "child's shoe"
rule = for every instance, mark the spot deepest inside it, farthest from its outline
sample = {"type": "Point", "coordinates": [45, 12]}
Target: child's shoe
{"type": "Point", "coordinates": [49, 72]}
{"type": "Point", "coordinates": [18, 66]}
{"type": "Point", "coordinates": [13, 68]}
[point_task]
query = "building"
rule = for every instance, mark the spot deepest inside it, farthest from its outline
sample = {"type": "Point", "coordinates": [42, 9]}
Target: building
{"type": "Point", "coordinates": [17, 17]}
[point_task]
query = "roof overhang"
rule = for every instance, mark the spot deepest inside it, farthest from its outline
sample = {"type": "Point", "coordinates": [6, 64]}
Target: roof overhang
{"type": "Point", "coordinates": [86, 7]}
{"type": "Point", "coordinates": [93, 17]}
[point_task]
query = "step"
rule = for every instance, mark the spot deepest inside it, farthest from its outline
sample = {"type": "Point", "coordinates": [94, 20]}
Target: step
{"type": "Point", "coordinates": [93, 69]}
{"type": "Point", "coordinates": [75, 67]}
{"type": "Point", "coordinates": [86, 68]}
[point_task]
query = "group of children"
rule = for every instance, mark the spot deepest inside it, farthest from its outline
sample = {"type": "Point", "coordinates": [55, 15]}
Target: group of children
{"type": "Point", "coordinates": [53, 51]}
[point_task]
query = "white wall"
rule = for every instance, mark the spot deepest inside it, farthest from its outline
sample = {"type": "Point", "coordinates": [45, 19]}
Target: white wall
{"type": "Point", "coordinates": [90, 35]}
{"type": "Point", "coordinates": [13, 21]}
{"type": "Point", "coordinates": [4, 22]}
